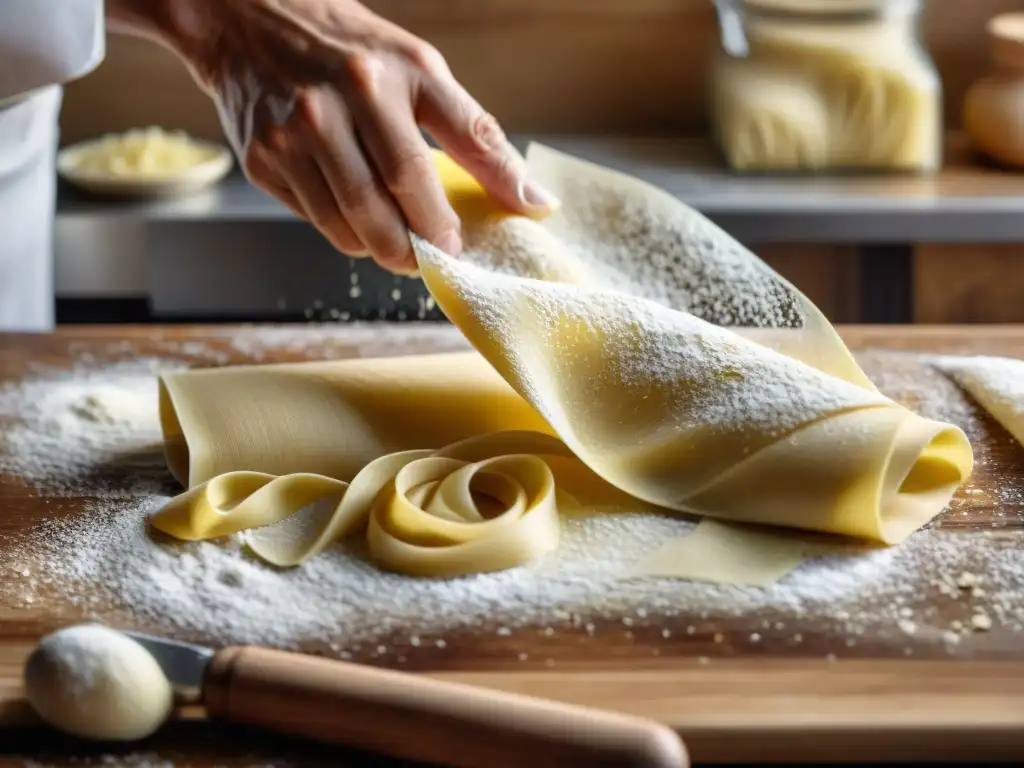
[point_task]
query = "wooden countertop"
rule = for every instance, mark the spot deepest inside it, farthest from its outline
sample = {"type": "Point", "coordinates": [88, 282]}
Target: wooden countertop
{"type": "Point", "coordinates": [733, 698]}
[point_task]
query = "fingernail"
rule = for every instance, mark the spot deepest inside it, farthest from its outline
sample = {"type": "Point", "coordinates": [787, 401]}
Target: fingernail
{"type": "Point", "coordinates": [535, 196]}
{"type": "Point", "coordinates": [450, 242]}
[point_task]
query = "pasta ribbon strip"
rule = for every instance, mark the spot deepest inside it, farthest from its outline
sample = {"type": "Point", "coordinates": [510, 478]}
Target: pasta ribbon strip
{"type": "Point", "coordinates": [483, 504]}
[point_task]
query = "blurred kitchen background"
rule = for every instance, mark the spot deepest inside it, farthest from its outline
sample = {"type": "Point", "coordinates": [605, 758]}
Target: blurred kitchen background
{"type": "Point", "coordinates": [624, 82]}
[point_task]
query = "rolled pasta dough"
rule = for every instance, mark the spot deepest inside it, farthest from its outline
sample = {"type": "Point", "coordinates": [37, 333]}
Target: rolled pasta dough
{"type": "Point", "coordinates": [330, 418]}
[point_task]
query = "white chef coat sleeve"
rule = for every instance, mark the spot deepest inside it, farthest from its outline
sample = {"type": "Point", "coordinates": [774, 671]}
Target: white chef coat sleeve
{"type": "Point", "coordinates": [47, 42]}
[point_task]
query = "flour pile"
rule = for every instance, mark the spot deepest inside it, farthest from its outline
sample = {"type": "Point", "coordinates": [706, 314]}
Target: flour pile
{"type": "Point", "coordinates": [214, 592]}
{"type": "Point", "coordinates": [90, 430]}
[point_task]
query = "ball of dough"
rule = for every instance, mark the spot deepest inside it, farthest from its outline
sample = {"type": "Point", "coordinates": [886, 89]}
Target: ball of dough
{"type": "Point", "coordinates": [96, 683]}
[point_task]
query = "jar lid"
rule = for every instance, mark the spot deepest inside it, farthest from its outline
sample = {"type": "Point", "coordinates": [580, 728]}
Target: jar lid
{"type": "Point", "coordinates": [1006, 39]}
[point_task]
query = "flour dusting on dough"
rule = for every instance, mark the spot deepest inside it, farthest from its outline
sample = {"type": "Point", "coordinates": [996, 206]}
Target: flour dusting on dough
{"type": "Point", "coordinates": [996, 383]}
{"type": "Point", "coordinates": [718, 379]}
{"type": "Point", "coordinates": [637, 245]}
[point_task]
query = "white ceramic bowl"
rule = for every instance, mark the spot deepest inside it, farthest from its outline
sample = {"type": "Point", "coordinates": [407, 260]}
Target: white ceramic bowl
{"type": "Point", "coordinates": [192, 179]}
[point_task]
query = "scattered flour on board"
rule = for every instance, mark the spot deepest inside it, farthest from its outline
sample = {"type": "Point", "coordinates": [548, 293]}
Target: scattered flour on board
{"type": "Point", "coordinates": [94, 427]}
{"type": "Point", "coordinates": [215, 592]}
{"type": "Point", "coordinates": [89, 429]}
{"type": "Point", "coordinates": [95, 430]}
{"type": "Point", "coordinates": [363, 339]}
{"type": "Point", "coordinates": [308, 340]}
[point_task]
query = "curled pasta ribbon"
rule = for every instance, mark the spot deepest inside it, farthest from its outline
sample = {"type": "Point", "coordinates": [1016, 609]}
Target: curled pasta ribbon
{"type": "Point", "coordinates": [483, 504]}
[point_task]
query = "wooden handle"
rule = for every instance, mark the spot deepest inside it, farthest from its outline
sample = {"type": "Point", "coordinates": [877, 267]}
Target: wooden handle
{"type": "Point", "coordinates": [416, 718]}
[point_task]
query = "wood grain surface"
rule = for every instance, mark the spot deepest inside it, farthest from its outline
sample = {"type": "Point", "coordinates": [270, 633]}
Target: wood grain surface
{"type": "Point", "coordinates": [967, 283]}
{"type": "Point", "coordinates": [735, 689]}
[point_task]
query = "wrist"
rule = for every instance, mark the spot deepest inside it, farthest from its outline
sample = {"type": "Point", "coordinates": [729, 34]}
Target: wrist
{"type": "Point", "coordinates": [187, 27]}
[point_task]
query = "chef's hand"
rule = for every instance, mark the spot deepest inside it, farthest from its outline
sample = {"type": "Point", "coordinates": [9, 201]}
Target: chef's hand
{"type": "Point", "coordinates": [323, 100]}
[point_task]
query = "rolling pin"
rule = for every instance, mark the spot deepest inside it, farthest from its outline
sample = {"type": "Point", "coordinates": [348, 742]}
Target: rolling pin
{"type": "Point", "coordinates": [405, 715]}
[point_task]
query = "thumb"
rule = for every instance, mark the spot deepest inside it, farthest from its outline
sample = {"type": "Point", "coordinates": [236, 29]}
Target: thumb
{"type": "Point", "coordinates": [474, 140]}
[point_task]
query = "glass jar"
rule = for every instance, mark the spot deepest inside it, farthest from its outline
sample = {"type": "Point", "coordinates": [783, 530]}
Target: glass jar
{"type": "Point", "coordinates": [817, 85]}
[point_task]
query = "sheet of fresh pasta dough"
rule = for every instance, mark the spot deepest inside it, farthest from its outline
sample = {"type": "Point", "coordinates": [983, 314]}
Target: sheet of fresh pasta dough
{"type": "Point", "coordinates": [728, 553]}
{"type": "Point", "coordinates": [605, 350]}
{"type": "Point", "coordinates": [669, 405]}
{"type": "Point", "coordinates": [330, 418]}
{"type": "Point", "coordinates": [996, 383]}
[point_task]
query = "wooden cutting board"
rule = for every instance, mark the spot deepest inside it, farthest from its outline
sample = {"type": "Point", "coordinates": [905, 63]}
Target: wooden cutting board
{"type": "Point", "coordinates": [735, 690]}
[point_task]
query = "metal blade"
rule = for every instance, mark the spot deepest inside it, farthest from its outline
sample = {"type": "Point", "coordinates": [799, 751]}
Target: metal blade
{"type": "Point", "coordinates": [183, 663]}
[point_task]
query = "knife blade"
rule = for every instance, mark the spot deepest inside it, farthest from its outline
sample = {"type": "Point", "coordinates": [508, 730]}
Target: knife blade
{"type": "Point", "coordinates": [184, 664]}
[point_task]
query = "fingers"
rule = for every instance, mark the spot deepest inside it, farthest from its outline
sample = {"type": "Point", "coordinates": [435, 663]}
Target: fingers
{"type": "Point", "coordinates": [315, 165]}
{"type": "Point", "coordinates": [304, 178]}
{"type": "Point", "coordinates": [473, 138]}
{"type": "Point", "coordinates": [405, 166]}
{"type": "Point", "coordinates": [264, 173]}
{"type": "Point", "coordinates": [368, 207]}
{"type": "Point", "coordinates": [352, 161]}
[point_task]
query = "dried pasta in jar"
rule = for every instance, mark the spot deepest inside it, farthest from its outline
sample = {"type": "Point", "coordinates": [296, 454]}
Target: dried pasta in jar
{"type": "Point", "coordinates": [807, 86]}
